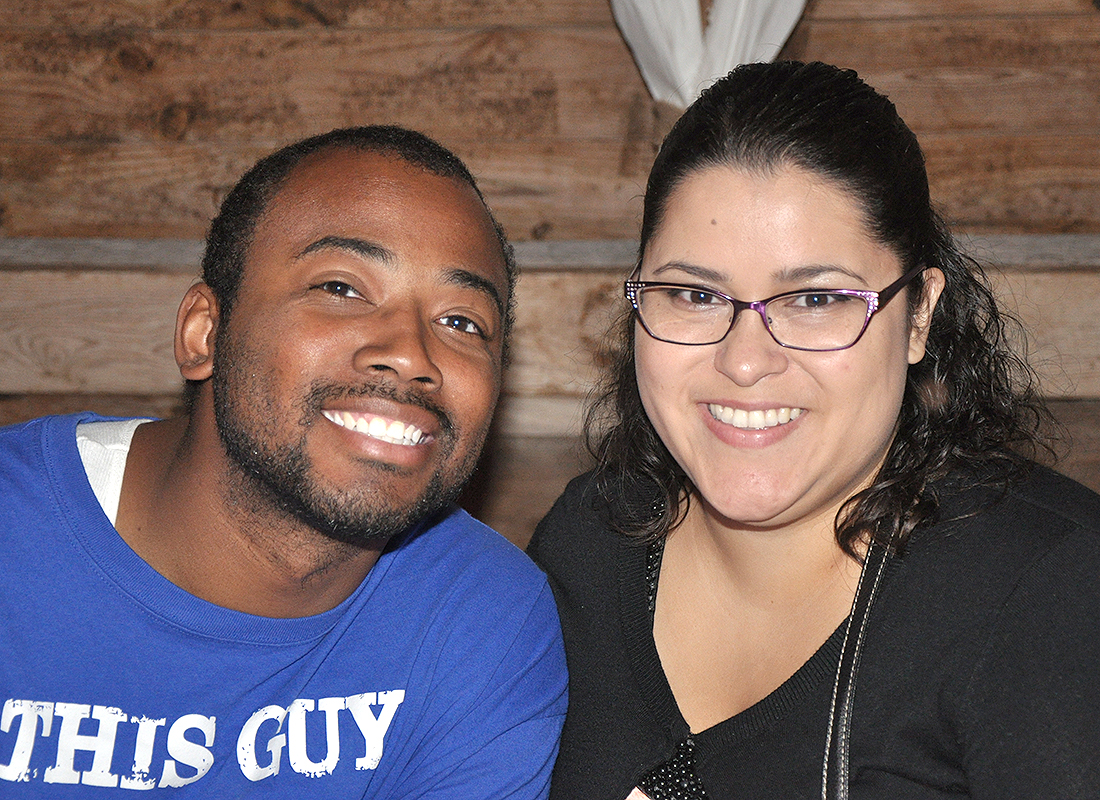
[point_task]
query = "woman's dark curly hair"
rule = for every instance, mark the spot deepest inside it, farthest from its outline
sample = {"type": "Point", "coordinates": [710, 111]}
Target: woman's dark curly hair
{"type": "Point", "coordinates": [970, 403]}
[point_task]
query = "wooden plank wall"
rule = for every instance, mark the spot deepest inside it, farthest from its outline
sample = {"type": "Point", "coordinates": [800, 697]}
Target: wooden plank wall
{"type": "Point", "coordinates": [123, 123]}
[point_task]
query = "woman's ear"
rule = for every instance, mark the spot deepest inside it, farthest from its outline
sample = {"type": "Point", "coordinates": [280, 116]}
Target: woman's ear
{"type": "Point", "coordinates": [921, 322]}
{"type": "Point", "coordinates": [196, 329]}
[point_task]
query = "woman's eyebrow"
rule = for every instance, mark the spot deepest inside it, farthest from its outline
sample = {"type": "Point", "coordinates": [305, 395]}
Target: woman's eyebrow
{"type": "Point", "coordinates": [810, 272]}
{"type": "Point", "coordinates": [799, 274]}
{"type": "Point", "coordinates": [702, 273]}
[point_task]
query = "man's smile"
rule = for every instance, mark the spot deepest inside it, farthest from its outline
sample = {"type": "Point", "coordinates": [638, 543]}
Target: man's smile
{"type": "Point", "coordinates": [386, 430]}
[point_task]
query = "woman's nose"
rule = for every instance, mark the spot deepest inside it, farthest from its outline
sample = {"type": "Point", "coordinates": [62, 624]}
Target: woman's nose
{"type": "Point", "coordinates": [748, 353]}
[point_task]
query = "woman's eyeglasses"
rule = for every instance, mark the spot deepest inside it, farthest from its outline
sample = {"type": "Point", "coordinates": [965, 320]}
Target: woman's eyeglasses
{"type": "Point", "coordinates": [808, 319]}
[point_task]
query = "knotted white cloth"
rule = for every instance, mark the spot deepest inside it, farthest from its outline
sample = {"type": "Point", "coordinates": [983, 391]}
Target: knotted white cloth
{"type": "Point", "coordinates": [679, 57]}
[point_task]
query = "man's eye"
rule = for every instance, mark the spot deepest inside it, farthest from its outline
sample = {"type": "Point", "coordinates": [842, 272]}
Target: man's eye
{"type": "Point", "coordinates": [338, 288]}
{"type": "Point", "coordinates": [462, 324]}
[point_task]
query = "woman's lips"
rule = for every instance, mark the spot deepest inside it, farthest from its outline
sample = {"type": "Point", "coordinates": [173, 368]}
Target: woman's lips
{"type": "Point", "coordinates": [757, 419]}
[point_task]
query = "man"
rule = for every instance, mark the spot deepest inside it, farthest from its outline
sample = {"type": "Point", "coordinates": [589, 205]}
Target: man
{"type": "Point", "coordinates": [274, 595]}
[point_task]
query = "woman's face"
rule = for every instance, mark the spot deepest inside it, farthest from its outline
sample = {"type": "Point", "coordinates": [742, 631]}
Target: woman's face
{"type": "Point", "coordinates": [720, 408]}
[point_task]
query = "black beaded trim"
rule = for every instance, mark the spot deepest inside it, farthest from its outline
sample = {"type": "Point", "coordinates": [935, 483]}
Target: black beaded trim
{"type": "Point", "coordinates": [653, 555]}
{"type": "Point", "coordinates": [676, 778]}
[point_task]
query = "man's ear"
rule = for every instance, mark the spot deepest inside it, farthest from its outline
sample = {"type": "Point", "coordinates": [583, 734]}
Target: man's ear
{"type": "Point", "coordinates": [196, 329]}
{"type": "Point", "coordinates": [922, 317]}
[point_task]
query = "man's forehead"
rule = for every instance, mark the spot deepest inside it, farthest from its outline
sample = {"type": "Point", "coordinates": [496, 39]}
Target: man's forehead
{"type": "Point", "coordinates": [341, 191]}
{"type": "Point", "coordinates": [358, 169]}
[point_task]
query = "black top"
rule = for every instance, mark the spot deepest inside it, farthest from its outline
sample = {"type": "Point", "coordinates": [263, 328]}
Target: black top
{"type": "Point", "coordinates": [980, 674]}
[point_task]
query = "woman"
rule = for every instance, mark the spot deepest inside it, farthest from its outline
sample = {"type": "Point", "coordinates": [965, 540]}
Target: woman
{"type": "Point", "coordinates": [866, 408]}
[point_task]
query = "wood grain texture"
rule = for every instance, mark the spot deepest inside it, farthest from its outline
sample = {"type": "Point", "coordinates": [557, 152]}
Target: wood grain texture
{"type": "Point", "coordinates": [88, 332]}
{"type": "Point", "coordinates": [159, 189]}
{"type": "Point", "coordinates": [21, 407]}
{"type": "Point", "coordinates": [1016, 184]}
{"type": "Point", "coordinates": [917, 9]}
{"type": "Point", "coordinates": [1029, 73]}
{"type": "Point", "coordinates": [295, 14]}
{"type": "Point", "coordinates": [229, 86]}
{"type": "Point", "coordinates": [1080, 450]}
{"type": "Point", "coordinates": [987, 183]}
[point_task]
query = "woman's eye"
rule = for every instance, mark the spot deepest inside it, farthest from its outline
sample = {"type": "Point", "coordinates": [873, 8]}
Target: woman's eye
{"type": "Point", "coordinates": [694, 297]}
{"type": "Point", "coordinates": [462, 324]}
{"type": "Point", "coordinates": [818, 299]}
{"type": "Point", "coordinates": [338, 288]}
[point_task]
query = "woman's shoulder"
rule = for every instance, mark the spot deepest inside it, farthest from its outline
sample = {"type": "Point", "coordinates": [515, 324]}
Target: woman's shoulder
{"type": "Point", "coordinates": [575, 536]}
{"type": "Point", "coordinates": [1041, 504]}
{"type": "Point", "coordinates": [990, 533]}
{"type": "Point", "coordinates": [1058, 497]}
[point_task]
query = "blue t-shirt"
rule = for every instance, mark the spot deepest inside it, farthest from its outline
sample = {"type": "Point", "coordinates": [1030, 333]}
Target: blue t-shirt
{"type": "Point", "coordinates": [441, 676]}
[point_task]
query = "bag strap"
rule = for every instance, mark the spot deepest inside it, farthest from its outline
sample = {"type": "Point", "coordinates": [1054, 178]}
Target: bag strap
{"type": "Point", "coordinates": [835, 786]}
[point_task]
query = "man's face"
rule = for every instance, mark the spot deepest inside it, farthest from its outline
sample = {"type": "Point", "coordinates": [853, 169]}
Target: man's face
{"type": "Point", "coordinates": [356, 377]}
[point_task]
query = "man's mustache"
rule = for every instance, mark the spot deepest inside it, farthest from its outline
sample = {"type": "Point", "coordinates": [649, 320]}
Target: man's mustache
{"type": "Point", "coordinates": [322, 393]}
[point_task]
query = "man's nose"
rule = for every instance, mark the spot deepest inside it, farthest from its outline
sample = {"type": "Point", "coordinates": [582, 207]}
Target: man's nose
{"type": "Point", "coordinates": [400, 343]}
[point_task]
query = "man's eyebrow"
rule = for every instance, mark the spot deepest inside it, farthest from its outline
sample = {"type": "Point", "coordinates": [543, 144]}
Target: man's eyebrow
{"type": "Point", "coordinates": [471, 280]}
{"type": "Point", "coordinates": [375, 252]}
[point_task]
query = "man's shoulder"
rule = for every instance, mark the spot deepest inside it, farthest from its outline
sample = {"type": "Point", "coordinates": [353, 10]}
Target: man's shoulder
{"type": "Point", "coordinates": [55, 425]}
{"type": "Point", "coordinates": [455, 546]}
{"type": "Point", "coordinates": [455, 571]}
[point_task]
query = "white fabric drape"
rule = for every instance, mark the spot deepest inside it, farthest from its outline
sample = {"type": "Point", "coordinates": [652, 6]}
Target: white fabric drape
{"type": "Point", "coordinates": [678, 58]}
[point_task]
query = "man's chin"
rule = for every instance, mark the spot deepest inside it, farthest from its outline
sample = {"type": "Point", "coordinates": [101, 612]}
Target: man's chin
{"type": "Point", "coordinates": [362, 520]}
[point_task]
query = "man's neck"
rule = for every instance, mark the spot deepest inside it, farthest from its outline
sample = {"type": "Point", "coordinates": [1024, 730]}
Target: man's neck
{"type": "Point", "coordinates": [187, 510]}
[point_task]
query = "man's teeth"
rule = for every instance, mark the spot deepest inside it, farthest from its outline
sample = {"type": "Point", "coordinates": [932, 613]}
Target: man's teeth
{"type": "Point", "coordinates": [376, 427]}
{"type": "Point", "coordinates": [753, 420]}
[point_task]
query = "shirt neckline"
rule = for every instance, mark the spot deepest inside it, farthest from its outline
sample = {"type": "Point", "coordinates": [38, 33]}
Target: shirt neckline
{"type": "Point", "coordinates": [645, 661]}
{"type": "Point", "coordinates": [77, 512]}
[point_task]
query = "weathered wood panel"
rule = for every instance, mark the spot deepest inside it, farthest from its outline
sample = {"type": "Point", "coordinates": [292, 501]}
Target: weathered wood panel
{"type": "Point", "coordinates": [1058, 313]}
{"type": "Point", "coordinates": [1031, 74]}
{"type": "Point", "coordinates": [916, 9]}
{"type": "Point", "coordinates": [271, 14]}
{"type": "Point", "coordinates": [519, 478]}
{"type": "Point", "coordinates": [162, 189]}
{"type": "Point", "coordinates": [969, 43]}
{"type": "Point", "coordinates": [1021, 184]}
{"type": "Point", "coordinates": [1080, 451]}
{"type": "Point", "coordinates": [66, 331]}
{"type": "Point", "coordinates": [230, 86]}
{"type": "Point", "coordinates": [129, 132]}
{"type": "Point", "coordinates": [21, 407]}
{"type": "Point", "coordinates": [988, 183]}
{"type": "Point", "coordinates": [504, 82]}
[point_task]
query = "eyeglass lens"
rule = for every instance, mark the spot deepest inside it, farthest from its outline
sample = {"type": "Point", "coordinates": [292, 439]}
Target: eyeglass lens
{"type": "Point", "coordinates": [807, 321]}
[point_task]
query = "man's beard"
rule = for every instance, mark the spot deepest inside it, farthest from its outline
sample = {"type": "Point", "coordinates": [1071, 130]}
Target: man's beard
{"type": "Point", "coordinates": [275, 471]}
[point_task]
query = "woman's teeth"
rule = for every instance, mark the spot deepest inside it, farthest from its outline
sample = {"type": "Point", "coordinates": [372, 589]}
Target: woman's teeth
{"type": "Point", "coordinates": [753, 420]}
{"type": "Point", "coordinates": [376, 427]}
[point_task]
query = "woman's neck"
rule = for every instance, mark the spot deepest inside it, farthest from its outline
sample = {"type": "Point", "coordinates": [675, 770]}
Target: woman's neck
{"type": "Point", "coordinates": [740, 610]}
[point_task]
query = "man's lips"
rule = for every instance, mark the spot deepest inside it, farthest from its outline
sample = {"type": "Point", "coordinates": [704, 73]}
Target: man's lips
{"type": "Point", "coordinates": [757, 419]}
{"type": "Point", "coordinates": [382, 428]}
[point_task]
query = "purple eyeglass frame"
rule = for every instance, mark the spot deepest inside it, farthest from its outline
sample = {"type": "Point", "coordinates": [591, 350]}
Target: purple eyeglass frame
{"type": "Point", "coordinates": [876, 301]}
